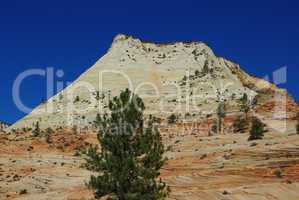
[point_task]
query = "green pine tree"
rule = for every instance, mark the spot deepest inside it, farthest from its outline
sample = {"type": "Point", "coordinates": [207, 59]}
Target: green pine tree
{"type": "Point", "coordinates": [257, 129]}
{"type": "Point", "coordinates": [214, 128]}
{"type": "Point", "coordinates": [205, 69]}
{"type": "Point", "coordinates": [244, 99]}
{"type": "Point", "coordinates": [97, 122]}
{"type": "Point", "coordinates": [197, 73]}
{"type": "Point", "coordinates": [221, 114]}
{"type": "Point", "coordinates": [245, 105]}
{"type": "Point", "coordinates": [49, 132]}
{"type": "Point", "coordinates": [36, 132]}
{"type": "Point", "coordinates": [77, 99]}
{"type": "Point", "coordinates": [131, 154]}
{"type": "Point", "coordinates": [172, 119]}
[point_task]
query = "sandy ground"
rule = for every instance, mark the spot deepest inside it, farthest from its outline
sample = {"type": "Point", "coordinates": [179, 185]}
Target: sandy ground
{"type": "Point", "coordinates": [216, 167]}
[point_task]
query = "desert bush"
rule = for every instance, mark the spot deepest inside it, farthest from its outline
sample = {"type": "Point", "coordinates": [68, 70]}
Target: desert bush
{"type": "Point", "coordinates": [77, 99]}
{"type": "Point", "coordinates": [22, 192]}
{"type": "Point", "coordinates": [187, 115]}
{"type": "Point", "coordinates": [172, 119]}
{"type": "Point", "coordinates": [97, 121]}
{"type": "Point", "coordinates": [257, 129]}
{"type": "Point", "coordinates": [60, 97]}
{"type": "Point", "coordinates": [49, 130]}
{"type": "Point", "coordinates": [278, 173]}
{"type": "Point", "coordinates": [214, 127]}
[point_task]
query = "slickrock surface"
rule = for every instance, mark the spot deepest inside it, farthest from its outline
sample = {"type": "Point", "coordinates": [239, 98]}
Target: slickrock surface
{"type": "Point", "coordinates": [200, 167]}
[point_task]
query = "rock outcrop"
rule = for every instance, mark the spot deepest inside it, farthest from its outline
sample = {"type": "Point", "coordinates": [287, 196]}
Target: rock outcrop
{"type": "Point", "coordinates": [184, 78]}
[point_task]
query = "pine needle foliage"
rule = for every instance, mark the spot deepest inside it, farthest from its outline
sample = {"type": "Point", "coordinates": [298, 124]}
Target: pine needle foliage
{"type": "Point", "coordinates": [257, 129]}
{"type": "Point", "coordinates": [130, 155]}
{"type": "Point", "coordinates": [37, 131]}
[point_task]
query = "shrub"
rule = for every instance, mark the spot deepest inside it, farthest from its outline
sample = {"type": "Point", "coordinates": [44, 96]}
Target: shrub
{"type": "Point", "coordinates": [278, 173]}
{"type": "Point", "coordinates": [214, 128]}
{"type": "Point", "coordinates": [77, 99]}
{"type": "Point", "coordinates": [172, 119]}
{"type": "Point", "coordinates": [60, 97]}
{"type": "Point", "coordinates": [97, 121]}
{"type": "Point", "coordinates": [187, 115]}
{"type": "Point", "coordinates": [257, 129]}
{"type": "Point", "coordinates": [97, 95]}
{"type": "Point", "coordinates": [49, 132]}
{"type": "Point", "coordinates": [245, 108]}
{"type": "Point", "coordinates": [184, 78]}
{"type": "Point", "coordinates": [22, 192]}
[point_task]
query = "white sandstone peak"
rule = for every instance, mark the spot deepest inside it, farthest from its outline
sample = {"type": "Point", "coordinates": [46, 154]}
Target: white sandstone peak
{"type": "Point", "coordinates": [158, 73]}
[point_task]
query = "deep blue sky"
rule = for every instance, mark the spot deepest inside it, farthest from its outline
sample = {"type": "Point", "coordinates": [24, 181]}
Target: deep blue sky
{"type": "Point", "coordinates": [260, 35]}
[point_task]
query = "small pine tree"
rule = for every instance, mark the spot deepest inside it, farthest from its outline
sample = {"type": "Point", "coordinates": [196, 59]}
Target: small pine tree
{"type": "Point", "coordinates": [205, 69]}
{"type": "Point", "coordinates": [48, 134]}
{"type": "Point", "coordinates": [245, 105]}
{"type": "Point", "coordinates": [172, 119]}
{"type": "Point", "coordinates": [257, 129]}
{"type": "Point", "coordinates": [77, 99]}
{"type": "Point", "coordinates": [97, 121]}
{"type": "Point", "coordinates": [244, 99]}
{"type": "Point", "coordinates": [245, 108]}
{"type": "Point", "coordinates": [197, 73]}
{"type": "Point", "coordinates": [214, 128]}
{"type": "Point", "coordinates": [254, 101]}
{"type": "Point", "coordinates": [131, 154]}
{"type": "Point", "coordinates": [221, 114]}
{"type": "Point", "coordinates": [97, 95]}
{"type": "Point", "coordinates": [184, 78]}
{"type": "Point", "coordinates": [36, 132]}
{"type": "Point", "coordinates": [60, 97]}
{"type": "Point", "coordinates": [49, 131]}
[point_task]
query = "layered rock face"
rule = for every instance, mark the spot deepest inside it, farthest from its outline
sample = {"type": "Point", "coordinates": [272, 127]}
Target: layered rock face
{"type": "Point", "coordinates": [185, 78]}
